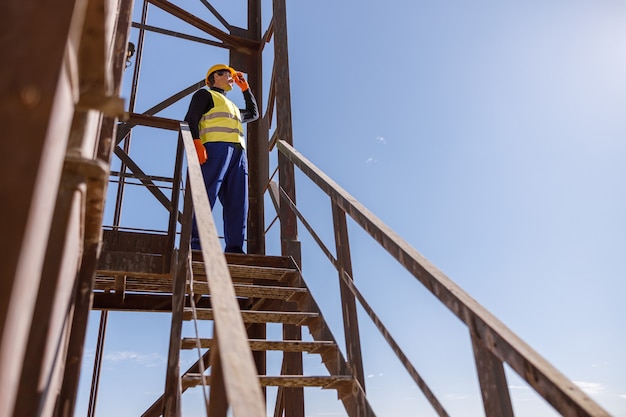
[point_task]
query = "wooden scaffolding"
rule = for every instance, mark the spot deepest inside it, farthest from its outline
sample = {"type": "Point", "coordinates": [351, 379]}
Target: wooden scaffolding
{"type": "Point", "coordinates": [64, 124]}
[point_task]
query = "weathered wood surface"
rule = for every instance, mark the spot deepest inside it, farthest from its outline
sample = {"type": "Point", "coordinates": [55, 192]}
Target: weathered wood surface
{"type": "Point", "coordinates": [126, 253]}
{"type": "Point", "coordinates": [239, 272]}
{"type": "Point", "coordinates": [298, 318]}
{"type": "Point", "coordinates": [264, 345]}
{"type": "Point", "coordinates": [237, 364]}
{"type": "Point", "coordinates": [151, 284]}
{"type": "Point", "coordinates": [257, 291]}
{"type": "Point", "coordinates": [326, 382]}
{"type": "Point", "coordinates": [348, 303]}
{"type": "Point", "coordinates": [133, 242]}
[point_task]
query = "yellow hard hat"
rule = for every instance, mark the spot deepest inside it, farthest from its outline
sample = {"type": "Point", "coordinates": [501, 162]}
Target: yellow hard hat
{"type": "Point", "coordinates": [218, 67]}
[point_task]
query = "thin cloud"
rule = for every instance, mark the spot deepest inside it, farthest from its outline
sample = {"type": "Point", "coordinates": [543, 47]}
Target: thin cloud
{"type": "Point", "coordinates": [623, 396]}
{"type": "Point", "coordinates": [590, 388]}
{"type": "Point", "coordinates": [381, 140]}
{"type": "Point", "coordinates": [147, 360]}
{"type": "Point", "coordinates": [596, 365]}
{"type": "Point", "coordinates": [371, 161]}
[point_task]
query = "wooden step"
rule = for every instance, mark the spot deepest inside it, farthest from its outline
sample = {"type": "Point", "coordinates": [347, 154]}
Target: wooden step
{"type": "Point", "coordinates": [257, 291]}
{"type": "Point", "coordinates": [243, 268]}
{"type": "Point", "coordinates": [164, 285]}
{"type": "Point", "coordinates": [326, 382]}
{"type": "Point", "coordinates": [297, 318]}
{"type": "Point", "coordinates": [248, 273]}
{"type": "Point", "coordinates": [134, 284]}
{"type": "Point", "coordinates": [262, 345]}
{"type": "Point", "coordinates": [251, 259]}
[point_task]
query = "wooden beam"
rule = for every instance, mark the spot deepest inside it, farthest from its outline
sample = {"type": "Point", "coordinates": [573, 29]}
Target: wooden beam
{"type": "Point", "coordinates": [243, 390]}
{"type": "Point", "coordinates": [36, 104]}
{"type": "Point", "coordinates": [229, 40]}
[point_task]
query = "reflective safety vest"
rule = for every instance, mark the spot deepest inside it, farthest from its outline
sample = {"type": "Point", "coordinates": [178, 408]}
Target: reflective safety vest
{"type": "Point", "coordinates": [222, 123]}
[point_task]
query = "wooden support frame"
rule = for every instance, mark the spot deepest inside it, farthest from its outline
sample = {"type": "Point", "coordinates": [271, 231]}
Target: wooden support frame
{"type": "Point", "coordinates": [36, 105]}
{"type": "Point", "coordinates": [501, 342]}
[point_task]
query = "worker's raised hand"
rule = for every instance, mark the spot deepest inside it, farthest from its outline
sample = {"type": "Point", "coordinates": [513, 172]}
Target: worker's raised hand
{"type": "Point", "coordinates": [200, 150]}
{"type": "Point", "coordinates": [241, 81]}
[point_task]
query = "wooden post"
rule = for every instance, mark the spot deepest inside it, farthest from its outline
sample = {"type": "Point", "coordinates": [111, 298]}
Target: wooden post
{"type": "Point", "coordinates": [171, 404]}
{"type": "Point", "coordinates": [493, 386]}
{"type": "Point", "coordinates": [294, 397]}
{"type": "Point", "coordinates": [36, 109]}
{"type": "Point", "coordinates": [218, 403]}
{"type": "Point", "coordinates": [350, 321]}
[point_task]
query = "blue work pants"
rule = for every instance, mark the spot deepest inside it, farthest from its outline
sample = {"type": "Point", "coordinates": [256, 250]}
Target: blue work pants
{"type": "Point", "coordinates": [226, 177]}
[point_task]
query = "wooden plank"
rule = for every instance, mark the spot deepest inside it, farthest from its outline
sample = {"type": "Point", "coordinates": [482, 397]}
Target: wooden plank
{"type": "Point", "coordinates": [144, 302]}
{"type": "Point", "coordinates": [249, 272]}
{"type": "Point", "coordinates": [297, 318]}
{"type": "Point", "coordinates": [264, 345]}
{"type": "Point", "coordinates": [125, 263]}
{"type": "Point", "coordinates": [325, 382]}
{"type": "Point", "coordinates": [133, 242]}
{"type": "Point", "coordinates": [243, 391]}
{"type": "Point", "coordinates": [257, 291]}
{"type": "Point", "coordinates": [150, 284]}
{"type": "Point", "coordinates": [276, 274]}
{"type": "Point", "coordinates": [152, 121]}
{"type": "Point", "coordinates": [132, 302]}
{"type": "Point", "coordinates": [252, 260]}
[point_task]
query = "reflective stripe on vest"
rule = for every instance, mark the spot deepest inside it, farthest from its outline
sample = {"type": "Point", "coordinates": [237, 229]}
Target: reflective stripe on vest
{"type": "Point", "coordinates": [222, 123]}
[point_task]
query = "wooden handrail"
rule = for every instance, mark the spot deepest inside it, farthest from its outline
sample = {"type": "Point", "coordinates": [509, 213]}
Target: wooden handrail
{"type": "Point", "coordinates": [240, 378]}
{"type": "Point", "coordinates": [486, 330]}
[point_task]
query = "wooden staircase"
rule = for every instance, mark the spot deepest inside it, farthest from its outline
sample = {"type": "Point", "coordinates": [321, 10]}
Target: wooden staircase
{"type": "Point", "coordinates": [271, 290]}
{"type": "Point", "coordinates": [241, 293]}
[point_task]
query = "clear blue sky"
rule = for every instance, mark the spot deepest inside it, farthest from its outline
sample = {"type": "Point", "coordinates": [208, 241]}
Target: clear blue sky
{"type": "Point", "coordinates": [489, 135]}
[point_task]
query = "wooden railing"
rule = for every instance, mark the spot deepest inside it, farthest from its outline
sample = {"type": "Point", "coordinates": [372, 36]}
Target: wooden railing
{"type": "Point", "coordinates": [493, 343]}
{"type": "Point", "coordinates": [234, 380]}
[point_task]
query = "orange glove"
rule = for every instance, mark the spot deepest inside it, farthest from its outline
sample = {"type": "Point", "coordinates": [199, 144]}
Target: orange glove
{"type": "Point", "coordinates": [200, 150]}
{"type": "Point", "coordinates": [240, 81]}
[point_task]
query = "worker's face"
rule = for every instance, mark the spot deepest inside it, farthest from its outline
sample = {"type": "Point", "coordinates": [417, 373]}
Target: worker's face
{"type": "Point", "coordinates": [223, 79]}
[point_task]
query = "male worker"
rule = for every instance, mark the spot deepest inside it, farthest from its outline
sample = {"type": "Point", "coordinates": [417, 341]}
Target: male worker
{"type": "Point", "coordinates": [216, 126]}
